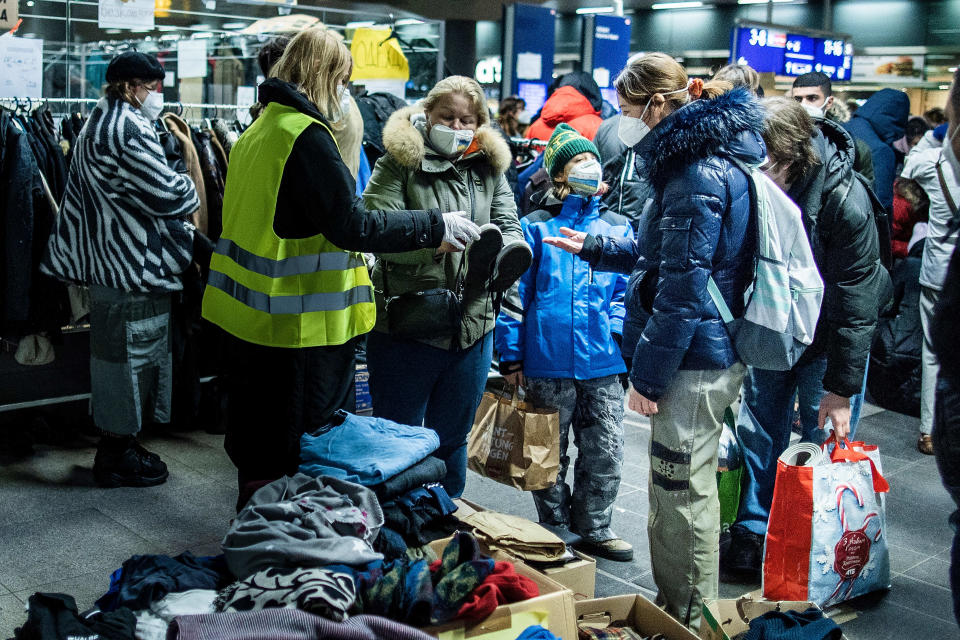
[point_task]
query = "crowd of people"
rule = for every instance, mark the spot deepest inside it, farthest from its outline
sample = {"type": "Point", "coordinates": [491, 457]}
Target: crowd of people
{"type": "Point", "coordinates": [590, 276]}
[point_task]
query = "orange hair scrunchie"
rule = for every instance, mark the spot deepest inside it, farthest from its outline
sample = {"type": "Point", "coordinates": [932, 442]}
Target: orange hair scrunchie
{"type": "Point", "coordinates": [695, 88]}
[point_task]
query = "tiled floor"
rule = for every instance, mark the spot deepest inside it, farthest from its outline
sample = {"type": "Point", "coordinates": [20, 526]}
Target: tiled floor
{"type": "Point", "coordinates": [58, 532]}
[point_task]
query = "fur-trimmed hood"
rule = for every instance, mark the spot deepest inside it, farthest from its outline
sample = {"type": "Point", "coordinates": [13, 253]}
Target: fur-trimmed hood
{"type": "Point", "coordinates": [731, 123]}
{"type": "Point", "coordinates": [405, 143]}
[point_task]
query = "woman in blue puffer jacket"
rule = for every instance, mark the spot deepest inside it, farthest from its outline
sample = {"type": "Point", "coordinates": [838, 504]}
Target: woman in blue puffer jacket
{"type": "Point", "coordinates": [557, 334]}
{"type": "Point", "coordinates": [685, 371]}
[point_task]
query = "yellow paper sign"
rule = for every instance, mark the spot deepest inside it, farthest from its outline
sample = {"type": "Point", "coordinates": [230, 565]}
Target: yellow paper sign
{"type": "Point", "coordinates": [375, 61]}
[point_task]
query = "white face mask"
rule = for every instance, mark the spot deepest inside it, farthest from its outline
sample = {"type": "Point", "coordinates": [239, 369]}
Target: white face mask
{"type": "Point", "coordinates": [344, 108]}
{"type": "Point", "coordinates": [152, 105]}
{"type": "Point", "coordinates": [585, 178]}
{"type": "Point", "coordinates": [813, 110]}
{"type": "Point", "coordinates": [449, 142]}
{"type": "Point", "coordinates": [950, 156]}
{"type": "Point", "coordinates": [632, 130]}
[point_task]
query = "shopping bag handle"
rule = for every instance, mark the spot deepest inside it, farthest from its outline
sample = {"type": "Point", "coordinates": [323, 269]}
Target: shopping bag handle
{"type": "Point", "coordinates": [847, 453]}
{"type": "Point", "coordinates": [515, 392]}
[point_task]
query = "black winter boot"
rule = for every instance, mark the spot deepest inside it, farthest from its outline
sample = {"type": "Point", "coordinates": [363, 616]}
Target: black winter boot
{"type": "Point", "coordinates": [122, 462]}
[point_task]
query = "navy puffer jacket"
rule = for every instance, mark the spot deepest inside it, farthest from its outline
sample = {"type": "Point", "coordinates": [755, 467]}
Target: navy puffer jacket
{"type": "Point", "coordinates": [879, 122]}
{"type": "Point", "coordinates": [698, 223]}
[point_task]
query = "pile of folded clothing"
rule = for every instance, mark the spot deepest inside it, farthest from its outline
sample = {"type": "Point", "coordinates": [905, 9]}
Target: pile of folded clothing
{"type": "Point", "coordinates": [299, 562]}
{"type": "Point", "coordinates": [394, 461]}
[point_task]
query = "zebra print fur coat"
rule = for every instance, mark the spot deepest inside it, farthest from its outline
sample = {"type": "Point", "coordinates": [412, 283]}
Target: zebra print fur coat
{"type": "Point", "coordinates": [123, 221]}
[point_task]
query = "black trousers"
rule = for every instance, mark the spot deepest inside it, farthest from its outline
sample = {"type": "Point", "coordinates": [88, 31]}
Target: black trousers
{"type": "Point", "coordinates": [275, 395]}
{"type": "Point", "coordinates": [946, 448]}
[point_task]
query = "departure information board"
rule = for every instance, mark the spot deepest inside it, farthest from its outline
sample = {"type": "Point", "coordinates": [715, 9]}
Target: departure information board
{"type": "Point", "coordinates": [771, 50]}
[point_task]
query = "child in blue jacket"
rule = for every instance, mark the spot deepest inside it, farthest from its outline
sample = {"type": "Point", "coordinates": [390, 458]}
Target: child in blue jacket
{"type": "Point", "coordinates": [557, 335]}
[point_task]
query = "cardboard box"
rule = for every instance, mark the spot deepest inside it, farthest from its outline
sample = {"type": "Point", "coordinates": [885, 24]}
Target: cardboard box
{"type": "Point", "coordinates": [724, 619]}
{"type": "Point", "coordinates": [580, 576]}
{"type": "Point", "coordinates": [641, 614]}
{"type": "Point", "coordinates": [552, 609]}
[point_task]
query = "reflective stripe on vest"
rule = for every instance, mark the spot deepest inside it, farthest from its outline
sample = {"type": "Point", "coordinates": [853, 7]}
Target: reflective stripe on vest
{"type": "Point", "coordinates": [297, 265]}
{"type": "Point", "coordinates": [308, 303]}
{"type": "Point", "coordinates": [273, 291]}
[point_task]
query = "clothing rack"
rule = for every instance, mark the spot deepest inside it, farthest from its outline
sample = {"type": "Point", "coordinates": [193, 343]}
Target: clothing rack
{"type": "Point", "coordinates": [21, 101]}
{"type": "Point", "coordinates": [527, 142]}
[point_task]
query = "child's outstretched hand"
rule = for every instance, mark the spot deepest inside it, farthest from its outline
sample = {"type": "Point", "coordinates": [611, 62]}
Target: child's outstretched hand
{"type": "Point", "coordinates": [572, 243]}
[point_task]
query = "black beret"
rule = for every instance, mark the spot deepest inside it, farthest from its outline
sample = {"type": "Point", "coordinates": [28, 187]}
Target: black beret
{"type": "Point", "coordinates": [133, 64]}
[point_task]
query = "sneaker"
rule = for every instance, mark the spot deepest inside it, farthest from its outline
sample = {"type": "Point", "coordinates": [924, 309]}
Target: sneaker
{"type": "Point", "coordinates": [614, 549]}
{"type": "Point", "coordinates": [743, 560]}
{"type": "Point", "coordinates": [512, 261]}
{"type": "Point", "coordinates": [925, 444]}
{"type": "Point", "coordinates": [128, 466]}
{"type": "Point", "coordinates": [481, 254]}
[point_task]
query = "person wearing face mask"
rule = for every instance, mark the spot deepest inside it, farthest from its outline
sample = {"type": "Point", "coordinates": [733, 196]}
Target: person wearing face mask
{"type": "Point", "coordinates": [287, 283]}
{"type": "Point", "coordinates": [927, 165]}
{"type": "Point", "coordinates": [558, 336]}
{"type": "Point", "coordinates": [944, 329]}
{"type": "Point", "coordinates": [812, 161]}
{"type": "Point", "coordinates": [814, 92]}
{"type": "Point", "coordinates": [685, 372]}
{"type": "Point", "coordinates": [123, 231]}
{"type": "Point", "coordinates": [427, 368]}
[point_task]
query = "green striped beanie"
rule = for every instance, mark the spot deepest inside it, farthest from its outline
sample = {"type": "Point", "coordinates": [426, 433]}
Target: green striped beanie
{"type": "Point", "coordinates": [565, 143]}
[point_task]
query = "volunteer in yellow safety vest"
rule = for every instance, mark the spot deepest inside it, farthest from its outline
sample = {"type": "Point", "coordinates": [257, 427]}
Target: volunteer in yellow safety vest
{"type": "Point", "coordinates": [287, 284]}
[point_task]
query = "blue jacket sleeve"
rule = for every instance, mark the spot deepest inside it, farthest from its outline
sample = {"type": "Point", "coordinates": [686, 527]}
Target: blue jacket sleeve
{"type": "Point", "coordinates": [617, 310]}
{"type": "Point", "coordinates": [693, 205]}
{"type": "Point", "coordinates": [613, 254]}
{"type": "Point", "coordinates": [884, 168]}
{"type": "Point", "coordinates": [509, 336]}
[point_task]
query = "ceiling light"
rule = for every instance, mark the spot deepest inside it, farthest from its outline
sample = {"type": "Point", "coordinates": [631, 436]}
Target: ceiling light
{"type": "Point", "coordinates": [235, 25]}
{"type": "Point", "coordinates": [677, 5]}
{"type": "Point", "coordinates": [406, 21]}
{"type": "Point", "coordinates": [584, 10]}
{"type": "Point", "coordinates": [952, 69]}
{"type": "Point", "coordinates": [362, 23]}
{"type": "Point", "coordinates": [762, 1]}
{"type": "Point", "coordinates": [30, 3]}
{"type": "Point", "coordinates": [203, 34]}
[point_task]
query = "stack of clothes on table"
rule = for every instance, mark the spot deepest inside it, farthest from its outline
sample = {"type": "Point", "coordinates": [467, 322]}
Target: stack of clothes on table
{"type": "Point", "coordinates": [299, 562]}
{"type": "Point", "coordinates": [394, 462]}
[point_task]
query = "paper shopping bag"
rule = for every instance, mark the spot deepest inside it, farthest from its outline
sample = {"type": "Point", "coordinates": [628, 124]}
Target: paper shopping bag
{"type": "Point", "coordinates": [826, 536]}
{"type": "Point", "coordinates": [515, 443]}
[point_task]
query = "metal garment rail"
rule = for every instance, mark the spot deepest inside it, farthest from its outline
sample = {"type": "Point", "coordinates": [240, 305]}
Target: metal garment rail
{"type": "Point", "coordinates": [45, 402]}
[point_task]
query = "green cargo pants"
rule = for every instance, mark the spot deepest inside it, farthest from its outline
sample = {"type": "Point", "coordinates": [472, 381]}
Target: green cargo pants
{"type": "Point", "coordinates": [684, 522]}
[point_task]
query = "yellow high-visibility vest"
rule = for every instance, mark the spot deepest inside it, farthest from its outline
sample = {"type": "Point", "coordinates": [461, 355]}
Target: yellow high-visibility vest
{"type": "Point", "coordinates": [269, 290]}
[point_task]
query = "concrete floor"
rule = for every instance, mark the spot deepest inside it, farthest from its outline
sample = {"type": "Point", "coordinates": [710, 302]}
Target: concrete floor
{"type": "Point", "coordinates": [60, 533]}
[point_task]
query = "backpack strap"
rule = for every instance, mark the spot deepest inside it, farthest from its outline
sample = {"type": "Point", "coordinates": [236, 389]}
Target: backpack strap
{"type": "Point", "coordinates": [725, 314]}
{"type": "Point", "coordinates": [946, 192]}
{"type": "Point", "coordinates": [718, 300]}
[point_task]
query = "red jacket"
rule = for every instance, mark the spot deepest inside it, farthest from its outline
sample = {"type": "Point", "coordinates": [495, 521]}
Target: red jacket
{"type": "Point", "coordinates": [566, 105]}
{"type": "Point", "coordinates": [907, 212]}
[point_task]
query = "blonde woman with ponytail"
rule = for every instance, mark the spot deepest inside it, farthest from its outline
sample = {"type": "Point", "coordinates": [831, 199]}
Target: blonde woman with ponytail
{"type": "Point", "coordinates": [685, 372]}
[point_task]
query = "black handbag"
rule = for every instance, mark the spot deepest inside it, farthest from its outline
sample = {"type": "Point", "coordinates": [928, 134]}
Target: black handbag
{"type": "Point", "coordinates": [421, 315]}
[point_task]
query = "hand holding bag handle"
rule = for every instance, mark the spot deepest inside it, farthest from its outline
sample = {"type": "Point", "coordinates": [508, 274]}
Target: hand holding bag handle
{"type": "Point", "coordinates": [847, 453]}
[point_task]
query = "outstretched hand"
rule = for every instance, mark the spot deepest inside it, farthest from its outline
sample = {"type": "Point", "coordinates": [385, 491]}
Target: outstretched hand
{"type": "Point", "coordinates": [572, 243]}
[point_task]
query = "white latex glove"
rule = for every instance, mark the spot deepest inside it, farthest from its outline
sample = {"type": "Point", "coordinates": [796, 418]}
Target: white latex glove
{"type": "Point", "coordinates": [458, 230]}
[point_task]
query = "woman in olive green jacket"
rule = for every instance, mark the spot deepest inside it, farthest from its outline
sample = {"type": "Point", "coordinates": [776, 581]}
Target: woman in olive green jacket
{"type": "Point", "coordinates": [443, 154]}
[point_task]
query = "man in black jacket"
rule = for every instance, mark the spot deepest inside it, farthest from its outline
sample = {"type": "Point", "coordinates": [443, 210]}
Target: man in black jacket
{"type": "Point", "coordinates": [812, 161]}
{"type": "Point", "coordinates": [946, 323]}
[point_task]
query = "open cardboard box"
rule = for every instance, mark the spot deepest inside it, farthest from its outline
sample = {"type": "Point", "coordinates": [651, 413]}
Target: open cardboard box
{"type": "Point", "coordinates": [724, 619]}
{"type": "Point", "coordinates": [552, 609]}
{"type": "Point", "coordinates": [580, 575]}
{"type": "Point", "coordinates": [641, 614]}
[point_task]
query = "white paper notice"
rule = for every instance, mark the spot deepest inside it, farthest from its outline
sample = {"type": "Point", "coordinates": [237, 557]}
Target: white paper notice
{"type": "Point", "coordinates": [192, 58]}
{"type": "Point", "coordinates": [21, 67]}
{"type": "Point", "coordinates": [601, 76]}
{"type": "Point", "coordinates": [529, 66]}
{"type": "Point", "coordinates": [394, 87]}
{"type": "Point", "coordinates": [246, 96]}
{"type": "Point", "coordinates": [126, 14]}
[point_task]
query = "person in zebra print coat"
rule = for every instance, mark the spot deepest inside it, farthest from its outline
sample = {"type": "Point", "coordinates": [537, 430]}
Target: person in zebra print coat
{"type": "Point", "coordinates": [123, 231]}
